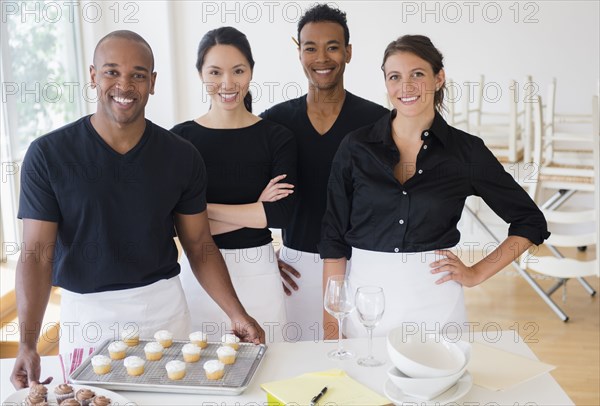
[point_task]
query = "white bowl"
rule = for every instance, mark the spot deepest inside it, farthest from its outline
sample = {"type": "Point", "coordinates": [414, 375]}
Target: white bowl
{"type": "Point", "coordinates": [428, 388]}
{"type": "Point", "coordinates": [424, 356]}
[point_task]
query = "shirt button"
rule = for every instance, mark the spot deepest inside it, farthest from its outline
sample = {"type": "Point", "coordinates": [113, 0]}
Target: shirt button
{"type": "Point", "coordinates": [401, 221]}
{"type": "Point", "coordinates": [424, 146]}
{"type": "Point", "coordinates": [426, 133]}
{"type": "Point", "coordinates": [404, 192]}
{"type": "Point", "coordinates": [396, 250]}
{"type": "Point", "coordinates": [420, 171]}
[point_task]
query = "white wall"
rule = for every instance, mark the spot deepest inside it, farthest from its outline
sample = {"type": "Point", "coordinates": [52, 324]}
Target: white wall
{"type": "Point", "coordinates": [544, 39]}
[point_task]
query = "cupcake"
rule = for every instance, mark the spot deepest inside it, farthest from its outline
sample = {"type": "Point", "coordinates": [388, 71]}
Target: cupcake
{"type": "Point", "coordinates": [134, 365]}
{"type": "Point", "coordinates": [199, 338]}
{"type": "Point", "coordinates": [164, 338]}
{"type": "Point", "coordinates": [226, 355]}
{"type": "Point", "coordinates": [100, 401]}
{"type": "Point", "coordinates": [117, 350]}
{"type": "Point", "coordinates": [38, 390]}
{"type": "Point", "coordinates": [154, 351]}
{"type": "Point", "coordinates": [35, 399]}
{"type": "Point", "coordinates": [85, 396]}
{"type": "Point", "coordinates": [70, 402]}
{"type": "Point", "coordinates": [214, 369]}
{"type": "Point", "coordinates": [191, 352]}
{"type": "Point", "coordinates": [231, 340]}
{"type": "Point", "coordinates": [131, 338]}
{"type": "Point", "coordinates": [101, 364]}
{"type": "Point", "coordinates": [175, 369]}
{"type": "Point", "coordinates": [64, 391]}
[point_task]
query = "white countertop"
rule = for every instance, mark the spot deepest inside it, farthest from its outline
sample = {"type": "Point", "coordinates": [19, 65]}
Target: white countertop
{"type": "Point", "coordinates": [286, 360]}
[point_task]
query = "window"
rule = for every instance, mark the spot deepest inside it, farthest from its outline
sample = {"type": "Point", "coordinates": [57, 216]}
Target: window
{"type": "Point", "coordinates": [41, 91]}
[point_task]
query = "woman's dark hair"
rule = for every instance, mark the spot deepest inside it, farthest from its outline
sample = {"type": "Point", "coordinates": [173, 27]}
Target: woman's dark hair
{"type": "Point", "coordinates": [421, 46]}
{"type": "Point", "coordinates": [226, 36]}
{"type": "Point", "coordinates": [324, 13]}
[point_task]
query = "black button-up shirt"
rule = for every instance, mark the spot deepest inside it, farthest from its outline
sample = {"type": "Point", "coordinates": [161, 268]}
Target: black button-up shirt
{"type": "Point", "coordinates": [368, 208]}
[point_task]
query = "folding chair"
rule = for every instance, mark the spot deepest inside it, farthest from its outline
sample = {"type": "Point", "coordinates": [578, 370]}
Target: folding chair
{"type": "Point", "coordinates": [553, 204]}
{"type": "Point", "coordinates": [506, 134]}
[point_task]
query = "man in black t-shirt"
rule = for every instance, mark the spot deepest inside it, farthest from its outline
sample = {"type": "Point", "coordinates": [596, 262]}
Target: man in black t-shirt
{"type": "Point", "coordinates": [319, 120]}
{"type": "Point", "coordinates": [101, 199]}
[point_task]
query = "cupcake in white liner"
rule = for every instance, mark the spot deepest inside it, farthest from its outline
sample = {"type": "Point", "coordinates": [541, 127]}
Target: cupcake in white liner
{"type": "Point", "coordinates": [117, 350]}
{"type": "Point", "coordinates": [214, 369]}
{"type": "Point", "coordinates": [191, 352]}
{"type": "Point", "coordinates": [153, 351]}
{"type": "Point", "coordinates": [175, 369]}
{"type": "Point", "coordinates": [134, 365]}
{"type": "Point", "coordinates": [231, 340]}
{"type": "Point", "coordinates": [164, 338]}
{"type": "Point", "coordinates": [130, 337]}
{"type": "Point", "coordinates": [226, 355]}
{"type": "Point", "coordinates": [100, 364]}
{"type": "Point", "coordinates": [199, 338]}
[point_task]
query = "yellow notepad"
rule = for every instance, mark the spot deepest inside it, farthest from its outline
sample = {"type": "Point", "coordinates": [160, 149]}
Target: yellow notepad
{"type": "Point", "coordinates": [341, 390]}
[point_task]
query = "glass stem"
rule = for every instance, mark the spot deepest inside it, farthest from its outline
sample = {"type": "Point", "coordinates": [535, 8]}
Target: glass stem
{"type": "Point", "coordinates": [370, 330]}
{"type": "Point", "coordinates": [340, 322]}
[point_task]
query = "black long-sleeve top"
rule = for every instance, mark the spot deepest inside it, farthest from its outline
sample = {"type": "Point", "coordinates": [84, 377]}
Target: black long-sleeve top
{"type": "Point", "coordinates": [239, 164]}
{"type": "Point", "coordinates": [315, 154]}
{"type": "Point", "coordinates": [368, 208]}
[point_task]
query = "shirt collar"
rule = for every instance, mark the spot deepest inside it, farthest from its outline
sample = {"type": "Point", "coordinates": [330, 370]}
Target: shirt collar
{"type": "Point", "coordinates": [382, 129]}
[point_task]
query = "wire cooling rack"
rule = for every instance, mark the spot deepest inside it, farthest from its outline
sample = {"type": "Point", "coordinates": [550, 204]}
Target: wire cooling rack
{"type": "Point", "coordinates": [154, 379]}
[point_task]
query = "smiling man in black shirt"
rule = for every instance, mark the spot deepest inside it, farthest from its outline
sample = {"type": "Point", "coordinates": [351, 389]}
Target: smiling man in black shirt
{"type": "Point", "coordinates": [319, 121]}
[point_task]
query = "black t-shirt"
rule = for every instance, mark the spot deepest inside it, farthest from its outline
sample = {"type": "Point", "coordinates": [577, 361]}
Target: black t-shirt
{"type": "Point", "coordinates": [369, 209]}
{"type": "Point", "coordinates": [114, 211]}
{"type": "Point", "coordinates": [315, 154]}
{"type": "Point", "coordinates": [239, 164]}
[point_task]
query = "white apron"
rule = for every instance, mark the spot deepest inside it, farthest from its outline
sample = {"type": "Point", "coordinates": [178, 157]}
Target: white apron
{"type": "Point", "coordinates": [412, 299]}
{"type": "Point", "coordinates": [305, 306]}
{"type": "Point", "coordinates": [90, 318]}
{"type": "Point", "coordinates": [255, 277]}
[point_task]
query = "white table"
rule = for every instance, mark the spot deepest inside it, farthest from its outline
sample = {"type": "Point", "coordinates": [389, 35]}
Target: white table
{"type": "Point", "coordinates": [286, 360]}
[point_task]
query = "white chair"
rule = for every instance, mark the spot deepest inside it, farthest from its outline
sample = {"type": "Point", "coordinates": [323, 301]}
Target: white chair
{"type": "Point", "coordinates": [557, 266]}
{"type": "Point", "coordinates": [552, 173]}
{"type": "Point", "coordinates": [555, 203]}
{"type": "Point", "coordinates": [567, 136]}
{"type": "Point", "coordinates": [569, 228]}
{"type": "Point", "coordinates": [458, 119]}
{"type": "Point", "coordinates": [507, 134]}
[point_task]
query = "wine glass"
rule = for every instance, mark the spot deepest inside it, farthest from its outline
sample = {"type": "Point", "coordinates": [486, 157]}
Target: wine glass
{"type": "Point", "coordinates": [370, 305]}
{"type": "Point", "coordinates": [338, 303]}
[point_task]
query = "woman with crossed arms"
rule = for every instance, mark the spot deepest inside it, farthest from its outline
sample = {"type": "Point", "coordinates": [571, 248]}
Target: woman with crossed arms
{"type": "Point", "coordinates": [251, 170]}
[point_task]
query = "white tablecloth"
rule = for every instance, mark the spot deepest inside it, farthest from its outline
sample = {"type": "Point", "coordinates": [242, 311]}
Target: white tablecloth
{"type": "Point", "coordinates": [286, 360]}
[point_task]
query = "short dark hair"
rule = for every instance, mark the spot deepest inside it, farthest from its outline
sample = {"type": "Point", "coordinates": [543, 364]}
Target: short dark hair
{"type": "Point", "coordinates": [226, 36]}
{"type": "Point", "coordinates": [421, 46]}
{"type": "Point", "coordinates": [325, 13]}
{"type": "Point", "coordinates": [128, 35]}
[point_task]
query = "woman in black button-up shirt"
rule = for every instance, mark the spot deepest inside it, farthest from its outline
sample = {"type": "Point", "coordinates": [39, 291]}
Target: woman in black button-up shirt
{"type": "Point", "coordinates": [396, 193]}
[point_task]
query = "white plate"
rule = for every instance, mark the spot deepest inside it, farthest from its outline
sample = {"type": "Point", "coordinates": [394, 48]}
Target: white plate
{"type": "Point", "coordinates": [460, 389]}
{"type": "Point", "coordinates": [19, 396]}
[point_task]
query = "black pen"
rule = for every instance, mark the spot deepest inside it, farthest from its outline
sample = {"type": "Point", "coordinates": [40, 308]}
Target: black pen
{"type": "Point", "coordinates": [314, 400]}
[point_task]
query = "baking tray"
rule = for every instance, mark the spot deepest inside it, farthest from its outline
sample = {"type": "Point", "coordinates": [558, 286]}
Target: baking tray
{"type": "Point", "coordinates": [154, 379]}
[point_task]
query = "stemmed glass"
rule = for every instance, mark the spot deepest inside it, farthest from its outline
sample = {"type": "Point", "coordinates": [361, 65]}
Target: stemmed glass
{"type": "Point", "coordinates": [370, 305]}
{"type": "Point", "coordinates": [338, 303]}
